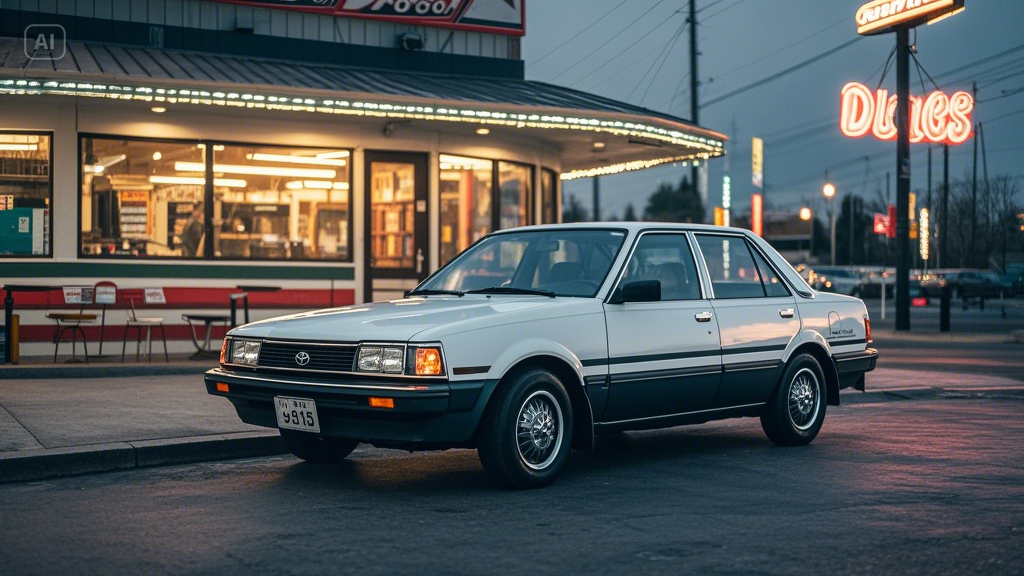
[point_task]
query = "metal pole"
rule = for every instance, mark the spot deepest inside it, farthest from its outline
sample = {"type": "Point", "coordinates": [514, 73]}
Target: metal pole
{"type": "Point", "coordinates": [903, 178]}
{"type": "Point", "coordinates": [597, 198]}
{"type": "Point", "coordinates": [943, 255]}
{"type": "Point", "coordinates": [694, 84]}
{"type": "Point", "coordinates": [930, 210]}
{"type": "Point", "coordinates": [832, 209]}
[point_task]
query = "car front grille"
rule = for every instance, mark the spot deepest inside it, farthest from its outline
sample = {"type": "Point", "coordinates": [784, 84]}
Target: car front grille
{"type": "Point", "coordinates": [322, 357]}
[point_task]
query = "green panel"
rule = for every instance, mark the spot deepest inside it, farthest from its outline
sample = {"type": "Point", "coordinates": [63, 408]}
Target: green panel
{"type": "Point", "coordinates": [213, 271]}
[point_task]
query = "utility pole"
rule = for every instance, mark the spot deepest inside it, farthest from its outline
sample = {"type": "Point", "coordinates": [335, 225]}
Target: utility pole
{"type": "Point", "coordinates": [694, 84]}
{"type": "Point", "coordinates": [597, 198]}
{"type": "Point", "coordinates": [974, 193]}
{"type": "Point", "coordinates": [930, 210]}
{"type": "Point", "coordinates": [902, 178]}
{"type": "Point", "coordinates": [944, 229]}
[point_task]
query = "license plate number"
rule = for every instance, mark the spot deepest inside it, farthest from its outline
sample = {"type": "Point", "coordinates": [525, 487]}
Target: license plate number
{"type": "Point", "coordinates": [297, 414]}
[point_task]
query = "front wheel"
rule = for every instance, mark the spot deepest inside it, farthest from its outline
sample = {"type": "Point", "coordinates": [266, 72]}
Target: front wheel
{"type": "Point", "coordinates": [314, 448]}
{"type": "Point", "coordinates": [526, 434]}
{"type": "Point", "coordinates": [794, 415]}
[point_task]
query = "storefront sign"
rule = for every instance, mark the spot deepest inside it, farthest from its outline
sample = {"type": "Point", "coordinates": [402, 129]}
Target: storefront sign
{"type": "Point", "coordinates": [882, 16]}
{"type": "Point", "coordinates": [494, 16]}
{"type": "Point", "coordinates": [756, 212]}
{"type": "Point", "coordinates": [757, 162]}
{"type": "Point", "coordinates": [935, 118]}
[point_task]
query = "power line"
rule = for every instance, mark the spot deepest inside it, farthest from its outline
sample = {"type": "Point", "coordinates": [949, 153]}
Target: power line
{"type": "Point", "coordinates": [844, 20]}
{"type": "Point", "coordinates": [785, 72]}
{"type": "Point", "coordinates": [663, 60]}
{"type": "Point", "coordinates": [619, 33]}
{"type": "Point", "coordinates": [628, 66]}
{"type": "Point", "coordinates": [726, 9]}
{"type": "Point", "coordinates": [559, 47]}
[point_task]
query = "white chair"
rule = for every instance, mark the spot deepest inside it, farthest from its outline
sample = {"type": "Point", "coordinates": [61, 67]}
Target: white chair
{"type": "Point", "coordinates": [133, 298]}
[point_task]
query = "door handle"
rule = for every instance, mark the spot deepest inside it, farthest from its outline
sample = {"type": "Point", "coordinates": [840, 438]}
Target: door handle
{"type": "Point", "coordinates": [702, 316]}
{"type": "Point", "coordinates": [787, 313]}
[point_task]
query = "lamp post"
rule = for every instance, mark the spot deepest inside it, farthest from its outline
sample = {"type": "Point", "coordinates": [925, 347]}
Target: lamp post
{"type": "Point", "coordinates": [830, 191]}
{"type": "Point", "coordinates": [806, 215]}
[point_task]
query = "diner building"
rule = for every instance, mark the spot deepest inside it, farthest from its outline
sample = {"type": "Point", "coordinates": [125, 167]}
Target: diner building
{"type": "Point", "coordinates": [310, 153]}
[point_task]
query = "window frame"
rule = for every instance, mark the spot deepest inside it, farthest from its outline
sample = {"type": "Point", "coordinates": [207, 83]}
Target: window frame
{"type": "Point", "coordinates": [50, 203]}
{"type": "Point", "coordinates": [208, 198]}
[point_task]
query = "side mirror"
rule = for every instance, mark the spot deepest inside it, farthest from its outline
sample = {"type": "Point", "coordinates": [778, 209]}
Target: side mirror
{"type": "Point", "coordinates": [637, 291]}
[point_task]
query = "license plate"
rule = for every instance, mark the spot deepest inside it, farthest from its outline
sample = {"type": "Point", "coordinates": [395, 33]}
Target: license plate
{"type": "Point", "coordinates": [297, 414]}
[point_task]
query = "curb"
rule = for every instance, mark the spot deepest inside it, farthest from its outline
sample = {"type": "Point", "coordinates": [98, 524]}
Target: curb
{"type": "Point", "coordinates": [997, 393]}
{"type": "Point", "coordinates": [28, 465]}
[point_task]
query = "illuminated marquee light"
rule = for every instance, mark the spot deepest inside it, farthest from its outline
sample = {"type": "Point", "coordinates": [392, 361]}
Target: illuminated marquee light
{"type": "Point", "coordinates": [881, 16]}
{"type": "Point", "coordinates": [622, 167]}
{"type": "Point", "coordinates": [705, 147]}
{"type": "Point", "coordinates": [923, 235]}
{"type": "Point", "coordinates": [936, 118]}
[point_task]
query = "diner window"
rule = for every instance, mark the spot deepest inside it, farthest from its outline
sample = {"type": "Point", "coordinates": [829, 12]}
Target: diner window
{"type": "Point", "coordinates": [548, 197]}
{"type": "Point", "coordinates": [134, 201]}
{"type": "Point", "coordinates": [284, 203]}
{"type": "Point", "coordinates": [151, 198]}
{"type": "Point", "coordinates": [466, 190]}
{"type": "Point", "coordinates": [515, 192]}
{"type": "Point", "coordinates": [26, 193]}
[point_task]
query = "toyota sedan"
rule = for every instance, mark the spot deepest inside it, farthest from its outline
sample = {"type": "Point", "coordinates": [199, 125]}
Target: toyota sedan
{"type": "Point", "coordinates": [535, 340]}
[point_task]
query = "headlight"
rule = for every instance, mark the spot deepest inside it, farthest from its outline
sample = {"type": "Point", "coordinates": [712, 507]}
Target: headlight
{"type": "Point", "coordinates": [386, 359]}
{"type": "Point", "coordinates": [400, 359]}
{"type": "Point", "coordinates": [243, 352]}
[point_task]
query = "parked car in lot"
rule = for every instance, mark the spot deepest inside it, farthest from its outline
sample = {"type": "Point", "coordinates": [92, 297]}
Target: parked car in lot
{"type": "Point", "coordinates": [534, 340]}
{"type": "Point", "coordinates": [968, 284]}
{"type": "Point", "coordinates": [837, 279]}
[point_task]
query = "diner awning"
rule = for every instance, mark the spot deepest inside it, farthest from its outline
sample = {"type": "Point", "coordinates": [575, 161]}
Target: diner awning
{"type": "Point", "coordinates": [596, 135]}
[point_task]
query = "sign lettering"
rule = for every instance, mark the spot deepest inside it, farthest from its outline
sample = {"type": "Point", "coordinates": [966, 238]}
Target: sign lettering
{"type": "Point", "coordinates": [883, 15]}
{"type": "Point", "coordinates": [935, 118]}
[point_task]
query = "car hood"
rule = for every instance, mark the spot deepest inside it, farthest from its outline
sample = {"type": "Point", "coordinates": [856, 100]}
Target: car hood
{"type": "Point", "coordinates": [400, 320]}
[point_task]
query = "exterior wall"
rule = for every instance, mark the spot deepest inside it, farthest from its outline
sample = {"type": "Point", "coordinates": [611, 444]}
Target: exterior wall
{"type": "Point", "coordinates": [205, 286]}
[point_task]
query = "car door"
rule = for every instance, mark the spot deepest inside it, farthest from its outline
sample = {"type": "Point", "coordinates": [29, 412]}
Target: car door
{"type": "Point", "coordinates": [663, 355]}
{"type": "Point", "coordinates": [757, 318]}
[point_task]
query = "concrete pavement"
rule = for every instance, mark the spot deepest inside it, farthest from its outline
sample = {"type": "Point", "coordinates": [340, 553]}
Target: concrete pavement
{"type": "Point", "coordinates": [66, 419]}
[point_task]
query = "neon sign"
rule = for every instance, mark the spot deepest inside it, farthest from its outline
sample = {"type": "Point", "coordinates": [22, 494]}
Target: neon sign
{"type": "Point", "coordinates": [935, 118]}
{"type": "Point", "coordinates": [883, 15]}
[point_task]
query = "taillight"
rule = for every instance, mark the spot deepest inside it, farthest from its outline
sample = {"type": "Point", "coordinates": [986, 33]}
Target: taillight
{"type": "Point", "coordinates": [867, 329]}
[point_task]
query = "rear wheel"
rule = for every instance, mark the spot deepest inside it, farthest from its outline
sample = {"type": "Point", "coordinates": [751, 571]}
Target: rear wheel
{"type": "Point", "coordinates": [526, 434]}
{"type": "Point", "coordinates": [795, 414]}
{"type": "Point", "coordinates": [315, 448]}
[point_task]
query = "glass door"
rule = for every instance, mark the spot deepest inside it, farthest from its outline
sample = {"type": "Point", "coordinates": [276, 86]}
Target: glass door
{"type": "Point", "coordinates": [396, 201]}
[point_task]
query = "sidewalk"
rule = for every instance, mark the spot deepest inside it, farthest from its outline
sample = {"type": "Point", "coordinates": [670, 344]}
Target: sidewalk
{"type": "Point", "coordinates": [66, 419]}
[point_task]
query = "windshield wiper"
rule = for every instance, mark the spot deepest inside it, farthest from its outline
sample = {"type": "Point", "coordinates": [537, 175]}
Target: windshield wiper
{"type": "Point", "coordinates": [511, 290]}
{"type": "Point", "coordinates": [433, 292]}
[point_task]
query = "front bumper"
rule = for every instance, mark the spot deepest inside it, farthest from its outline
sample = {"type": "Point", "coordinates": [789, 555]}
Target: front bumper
{"type": "Point", "coordinates": [427, 414]}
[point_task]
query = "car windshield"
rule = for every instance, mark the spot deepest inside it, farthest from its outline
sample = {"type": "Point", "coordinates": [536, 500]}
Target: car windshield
{"type": "Point", "coordinates": [559, 262]}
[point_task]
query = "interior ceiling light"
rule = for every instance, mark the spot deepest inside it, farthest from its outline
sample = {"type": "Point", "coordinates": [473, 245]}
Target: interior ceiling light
{"type": "Point", "coordinates": [158, 109]}
{"type": "Point", "coordinates": [197, 181]}
{"type": "Point", "coordinates": [19, 147]}
{"type": "Point", "coordinates": [296, 159]}
{"type": "Point", "coordinates": [258, 170]}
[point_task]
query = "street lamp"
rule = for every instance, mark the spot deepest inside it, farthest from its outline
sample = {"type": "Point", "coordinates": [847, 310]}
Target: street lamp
{"type": "Point", "coordinates": [806, 215]}
{"type": "Point", "coordinates": [830, 191]}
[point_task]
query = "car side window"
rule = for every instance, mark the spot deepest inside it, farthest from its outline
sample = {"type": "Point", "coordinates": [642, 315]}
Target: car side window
{"type": "Point", "coordinates": [773, 286]}
{"type": "Point", "coordinates": [731, 267]}
{"type": "Point", "coordinates": [668, 259]}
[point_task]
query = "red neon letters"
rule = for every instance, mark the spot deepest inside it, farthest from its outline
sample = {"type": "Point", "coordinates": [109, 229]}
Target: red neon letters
{"type": "Point", "coordinates": [935, 118]}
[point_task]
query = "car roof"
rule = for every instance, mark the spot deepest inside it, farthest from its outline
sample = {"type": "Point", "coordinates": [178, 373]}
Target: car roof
{"type": "Point", "coordinates": [631, 226]}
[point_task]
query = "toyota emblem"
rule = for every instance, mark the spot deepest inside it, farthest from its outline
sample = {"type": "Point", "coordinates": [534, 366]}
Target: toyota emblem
{"type": "Point", "coordinates": [302, 358]}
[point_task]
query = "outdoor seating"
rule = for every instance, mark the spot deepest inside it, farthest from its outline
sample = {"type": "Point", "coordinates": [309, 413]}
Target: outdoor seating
{"type": "Point", "coordinates": [204, 322]}
{"type": "Point", "coordinates": [71, 322]}
{"type": "Point", "coordinates": [133, 301]}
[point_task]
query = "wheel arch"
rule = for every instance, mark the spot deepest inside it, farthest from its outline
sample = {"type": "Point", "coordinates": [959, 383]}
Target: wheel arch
{"type": "Point", "coordinates": [828, 367]}
{"type": "Point", "coordinates": [583, 418]}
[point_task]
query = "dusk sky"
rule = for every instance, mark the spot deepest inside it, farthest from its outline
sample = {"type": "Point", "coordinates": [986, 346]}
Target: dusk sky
{"type": "Point", "coordinates": [638, 51]}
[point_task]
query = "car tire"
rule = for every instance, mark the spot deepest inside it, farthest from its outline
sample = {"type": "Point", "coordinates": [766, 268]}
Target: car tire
{"type": "Point", "coordinates": [796, 412]}
{"type": "Point", "coordinates": [316, 448]}
{"type": "Point", "coordinates": [526, 432]}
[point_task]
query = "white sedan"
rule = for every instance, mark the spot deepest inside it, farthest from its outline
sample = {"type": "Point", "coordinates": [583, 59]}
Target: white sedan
{"type": "Point", "coordinates": [534, 340]}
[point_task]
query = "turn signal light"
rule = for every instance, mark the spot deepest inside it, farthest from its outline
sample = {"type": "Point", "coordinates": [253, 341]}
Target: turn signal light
{"type": "Point", "coordinates": [428, 362]}
{"type": "Point", "coordinates": [224, 351]}
{"type": "Point", "coordinates": [867, 330]}
{"type": "Point", "coordinates": [382, 402]}
{"type": "Point", "coordinates": [222, 387]}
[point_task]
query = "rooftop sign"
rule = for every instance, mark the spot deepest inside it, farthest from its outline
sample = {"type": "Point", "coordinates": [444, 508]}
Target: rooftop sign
{"type": "Point", "coordinates": [494, 16]}
{"type": "Point", "coordinates": [880, 16]}
{"type": "Point", "coordinates": [933, 118]}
